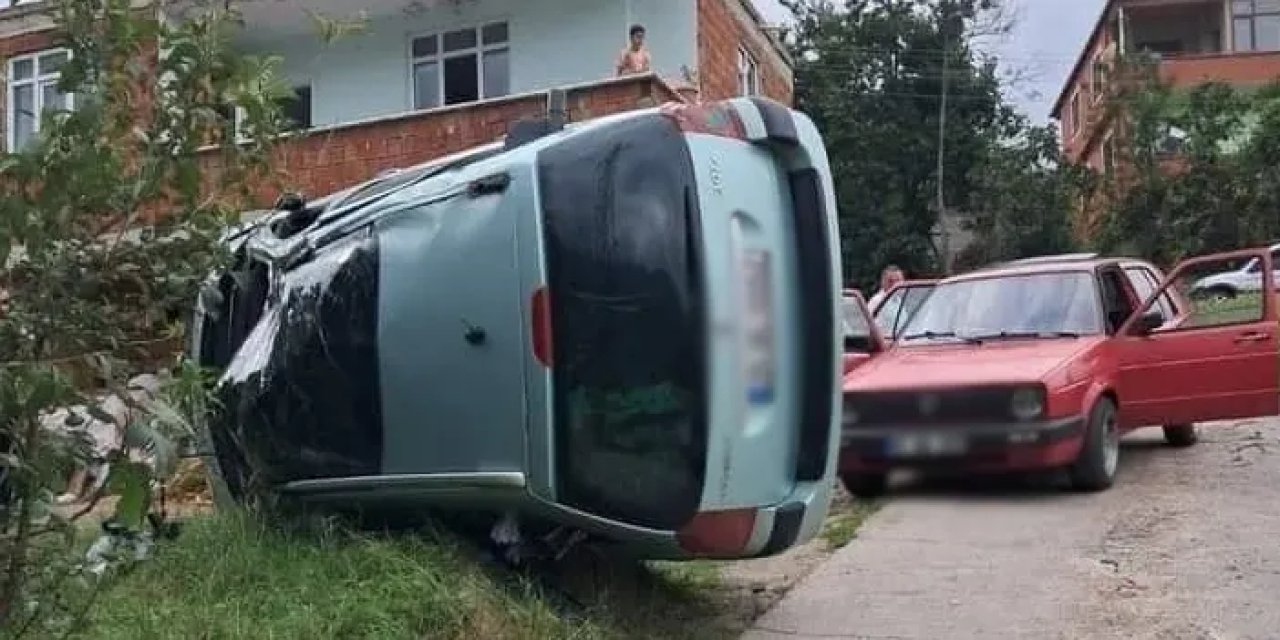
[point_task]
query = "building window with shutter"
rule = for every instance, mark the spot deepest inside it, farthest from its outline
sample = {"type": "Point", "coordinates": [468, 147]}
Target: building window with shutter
{"type": "Point", "coordinates": [461, 66]}
{"type": "Point", "coordinates": [33, 91]}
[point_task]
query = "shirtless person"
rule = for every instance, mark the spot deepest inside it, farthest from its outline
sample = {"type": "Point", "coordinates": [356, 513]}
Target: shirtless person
{"type": "Point", "coordinates": [635, 58]}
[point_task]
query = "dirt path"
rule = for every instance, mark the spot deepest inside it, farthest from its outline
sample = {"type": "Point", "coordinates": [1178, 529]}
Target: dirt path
{"type": "Point", "coordinates": [1187, 545]}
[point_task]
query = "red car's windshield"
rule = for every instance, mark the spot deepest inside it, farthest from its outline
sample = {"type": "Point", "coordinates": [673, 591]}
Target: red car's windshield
{"type": "Point", "coordinates": [1033, 305]}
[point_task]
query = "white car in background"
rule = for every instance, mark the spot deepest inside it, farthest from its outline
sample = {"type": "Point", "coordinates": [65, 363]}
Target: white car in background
{"type": "Point", "coordinates": [1231, 283]}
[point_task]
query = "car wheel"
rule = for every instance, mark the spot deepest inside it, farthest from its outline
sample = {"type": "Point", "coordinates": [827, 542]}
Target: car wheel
{"type": "Point", "coordinates": [1220, 293]}
{"type": "Point", "coordinates": [865, 485]}
{"type": "Point", "coordinates": [1095, 469]}
{"type": "Point", "coordinates": [1180, 435]}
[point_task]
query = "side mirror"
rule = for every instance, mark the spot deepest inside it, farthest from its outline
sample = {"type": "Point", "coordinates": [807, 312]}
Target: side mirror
{"type": "Point", "coordinates": [1149, 322]}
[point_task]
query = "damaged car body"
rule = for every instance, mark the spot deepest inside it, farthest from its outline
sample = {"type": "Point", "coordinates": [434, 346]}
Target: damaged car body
{"type": "Point", "coordinates": [625, 327]}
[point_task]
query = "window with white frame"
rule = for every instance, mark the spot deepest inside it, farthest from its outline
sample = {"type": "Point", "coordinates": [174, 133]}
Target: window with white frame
{"type": "Point", "coordinates": [1256, 25]}
{"type": "Point", "coordinates": [748, 73]}
{"type": "Point", "coordinates": [461, 66]}
{"type": "Point", "coordinates": [33, 90]}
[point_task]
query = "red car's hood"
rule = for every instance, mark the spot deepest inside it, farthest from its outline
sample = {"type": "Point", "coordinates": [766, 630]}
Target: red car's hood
{"type": "Point", "coordinates": [951, 365]}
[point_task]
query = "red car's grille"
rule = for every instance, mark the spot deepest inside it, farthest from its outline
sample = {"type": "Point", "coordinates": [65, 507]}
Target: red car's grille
{"type": "Point", "coordinates": [930, 407]}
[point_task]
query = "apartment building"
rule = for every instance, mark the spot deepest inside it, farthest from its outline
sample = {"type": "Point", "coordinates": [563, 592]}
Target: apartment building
{"type": "Point", "coordinates": [1194, 41]}
{"type": "Point", "coordinates": [426, 78]}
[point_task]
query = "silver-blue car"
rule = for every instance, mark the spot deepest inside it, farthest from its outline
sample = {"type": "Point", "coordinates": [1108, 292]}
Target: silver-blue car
{"type": "Point", "coordinates": [627, 327]}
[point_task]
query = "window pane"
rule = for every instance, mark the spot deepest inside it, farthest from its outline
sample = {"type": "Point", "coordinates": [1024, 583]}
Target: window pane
{"type": "Point", "coordinates": [1242, 7]}
{"type": "Point", "coordinates": [495, 33]}
{"type": "Point", "coordinates": [426, 46]}
{"type": "Point", "coordinates": [1243, 34]}
{"type": "Point", "coordinates": [426, 85]}
{"type": "Point", "coordinates": [297, 109]}
{"type": "Point", "coordinates": [51, 62]}
{"type": "Point", "coordinates": [24, 115]}
{"type": "Point", "coordinates": [461, 80]}
{"type": "Point", "coordinates": [1266, 33]}
{"type": "Point", "coordinates": [456, 40]}
{"type": "Point", "coordinates": [22, 69]}
{"type": "Point", "coordinates": [50, 98]}
{"type": "Point", "coordinates": [497, 76]}
{"type": "Point", "coordinates": [1264, 6]}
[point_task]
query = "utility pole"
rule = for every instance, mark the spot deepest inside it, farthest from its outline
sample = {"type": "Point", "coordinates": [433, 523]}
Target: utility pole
{"type": "Point", "coordinates": [944, 232]}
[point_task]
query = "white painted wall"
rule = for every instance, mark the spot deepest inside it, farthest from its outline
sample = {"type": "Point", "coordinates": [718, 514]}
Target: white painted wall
{"type": "Point", "coordinates": [553, 42]}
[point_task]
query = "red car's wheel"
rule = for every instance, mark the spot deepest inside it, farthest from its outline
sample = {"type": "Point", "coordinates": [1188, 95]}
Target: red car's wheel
{"type": "Point", "coordinates": [1095, 469]}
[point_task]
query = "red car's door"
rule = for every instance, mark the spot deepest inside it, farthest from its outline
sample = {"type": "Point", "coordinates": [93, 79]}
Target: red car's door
{"type": "Point", "coordinates": [861, 339]}
{"type": "Point", "coordinates": [1219, 360]}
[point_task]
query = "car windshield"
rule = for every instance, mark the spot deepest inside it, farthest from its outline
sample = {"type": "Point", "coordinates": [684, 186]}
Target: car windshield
{"type": "Point", "coordinates": [1032, 305]}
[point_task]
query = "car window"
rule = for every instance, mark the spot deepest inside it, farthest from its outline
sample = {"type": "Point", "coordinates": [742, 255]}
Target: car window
{"type": "Point", "coordinates": [857, 331]}
{"type": "Point", "coordinates": [1144, 284]}
{"type": "Point", "coordinates": [898, 308]}
{"type": "Point", "coordinates": [1115, 299]}
{"type": "Point", "coordinates": [1034, 304]}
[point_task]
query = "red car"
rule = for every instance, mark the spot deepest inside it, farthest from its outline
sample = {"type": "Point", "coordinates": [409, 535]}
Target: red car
{"type": "Point", "coordinates": [1045, 363]}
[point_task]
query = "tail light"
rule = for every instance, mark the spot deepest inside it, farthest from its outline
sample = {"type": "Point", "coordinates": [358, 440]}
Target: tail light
{"type": "Point", "coordinates": [540, 307]}
{"type": "Point", "coordinates": [718, 533]}
{"type": "Point", "coordinates": [756, 311]}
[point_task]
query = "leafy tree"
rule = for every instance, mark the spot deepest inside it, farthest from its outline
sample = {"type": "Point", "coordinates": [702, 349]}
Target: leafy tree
{"type": "Point", "coordinates": [1196, 168]}
{"type": "Point", "coordinates": [1024, 197]}
{"type": "Point", "coordinates": [870, 73]}
{"type": "Point", "coordinates": [107, 224]}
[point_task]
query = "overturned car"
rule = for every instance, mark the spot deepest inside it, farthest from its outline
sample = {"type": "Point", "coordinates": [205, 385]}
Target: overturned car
{"type": "Point", "coordinates": [625, 327]}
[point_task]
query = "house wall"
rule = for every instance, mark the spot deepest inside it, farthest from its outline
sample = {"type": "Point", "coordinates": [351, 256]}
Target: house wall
{"type": "Point", "coordinates": [552, 43]}
{"type": "Point", "coordinates": [723, 27]}
{"type": "Point", "coordinates": [328, 160]}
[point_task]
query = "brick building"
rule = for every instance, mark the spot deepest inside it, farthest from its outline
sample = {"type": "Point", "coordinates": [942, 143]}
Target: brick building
{"type": "Point", "coordinates": [426, 78]}
{"type": "Point", "coordinates": [1195, 41]}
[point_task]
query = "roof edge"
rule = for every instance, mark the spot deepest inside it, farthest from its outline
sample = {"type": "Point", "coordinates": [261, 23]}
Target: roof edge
{"type": "Point", "coordinates": [1056, 111]}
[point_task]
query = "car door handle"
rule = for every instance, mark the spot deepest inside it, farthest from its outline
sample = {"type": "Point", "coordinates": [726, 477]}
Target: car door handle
{"type": "Point", "coordinates": [1253, 336]}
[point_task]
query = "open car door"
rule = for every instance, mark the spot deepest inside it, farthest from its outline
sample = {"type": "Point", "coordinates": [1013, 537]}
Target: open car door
{"type": "Point", "coordinates": [1219, 359]}
{"type": "Point", "coordinates": [862, 340]}
{"type": "Point", "coordinates": [897, 306]}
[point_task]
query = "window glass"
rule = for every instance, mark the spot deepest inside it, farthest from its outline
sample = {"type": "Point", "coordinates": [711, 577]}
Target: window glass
{"type": "Point", "coordinates": [461, 80]}
{"type": "Point", "coordinates": [1266, 33]}
{"type": "Point", "coordinates": [426, 46]}
{"type": "Point", "coordinates": [1036, 304]}
{"type": "Point", "coordinates": [497, 80]}
{"type": "Point", "coordinates": [22, 69]}
{"type": "Point", "coordinates": [24, 115]}
{"type": "Point", "coordinates": [461, 39]}
{"type": "Point", "coordinates": [495, 33]}
{"type": "Point", "coordinates": [426, 85]}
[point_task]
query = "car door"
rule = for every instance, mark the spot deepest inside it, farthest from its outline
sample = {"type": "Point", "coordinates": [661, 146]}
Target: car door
{"type": "Point", "coordinates": [1219, 360]}
{"type": "Point", "coordinates": [862, 340]}
{"type": "Point", "coordinates": [897, 306]}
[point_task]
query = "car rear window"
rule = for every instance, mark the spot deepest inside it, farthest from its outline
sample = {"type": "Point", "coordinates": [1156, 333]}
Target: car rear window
{"type": "Point", "coordinates": [625, 290]}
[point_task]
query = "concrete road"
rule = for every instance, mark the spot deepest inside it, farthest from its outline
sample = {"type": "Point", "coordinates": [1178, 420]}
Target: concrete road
{"type": "Point", "coordinates": [1186, 545]}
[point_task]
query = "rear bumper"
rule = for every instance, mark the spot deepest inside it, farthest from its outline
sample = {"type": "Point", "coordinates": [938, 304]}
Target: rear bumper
{"type": "Point", "coordinates": [993, 447]}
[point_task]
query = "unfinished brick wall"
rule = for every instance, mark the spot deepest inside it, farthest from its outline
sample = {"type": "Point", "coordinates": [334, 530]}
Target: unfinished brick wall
{"type": "Point", "coordinates": [723, 27]}
{"type": "Point", "coordinates": [327, 161]}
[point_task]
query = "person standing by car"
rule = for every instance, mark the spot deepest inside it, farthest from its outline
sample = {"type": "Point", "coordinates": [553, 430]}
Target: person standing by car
{"type": "Point", "coordinates": [889, 278]}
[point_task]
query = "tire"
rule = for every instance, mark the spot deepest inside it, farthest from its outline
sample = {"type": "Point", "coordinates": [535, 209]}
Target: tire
{"type": "Point", "coordinates": [1095, 469]}
{"type": "Point", "coordinates": [1219, 292]}
{"type": "Point", "coordinates": [1180, 435]}
{"type": "Point", "coordinates": [865, 485]}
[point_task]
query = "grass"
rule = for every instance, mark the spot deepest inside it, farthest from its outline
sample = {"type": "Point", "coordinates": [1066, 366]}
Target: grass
{"type": "Point", "coordinates": [842, 526]}
{"type": "Point", "coordinates": [227, 577]}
